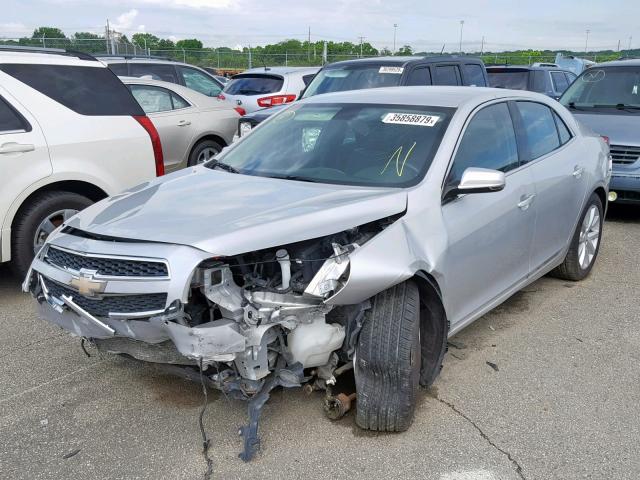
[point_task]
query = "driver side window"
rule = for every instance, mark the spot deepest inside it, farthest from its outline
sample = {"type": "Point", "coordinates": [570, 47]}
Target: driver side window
{"type": "Point", "coordinates": [488, 142]}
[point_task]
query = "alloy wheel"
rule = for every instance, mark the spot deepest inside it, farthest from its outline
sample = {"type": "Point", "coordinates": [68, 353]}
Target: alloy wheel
{"type": "Point", "coordinates": [48, 225]}
{"type": "Point", "coordinates": [207, 154]}
{"type": "Point", "coordinates": [589, 237]}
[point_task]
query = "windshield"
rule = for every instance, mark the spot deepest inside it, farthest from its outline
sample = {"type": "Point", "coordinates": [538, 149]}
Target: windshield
{"type": "Point", "coordinates": [354, 144]}
{"type": "Point", "coordinates": [508, 78]}
{"type": "Point", "coordinates": [353, 78]}
{"type": "Point", "coordinates": [605, 88]}
{"type": "Point", "coordinates": [251, 84]}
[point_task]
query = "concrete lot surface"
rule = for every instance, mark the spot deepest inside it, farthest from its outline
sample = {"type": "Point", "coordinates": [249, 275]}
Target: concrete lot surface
{"type": "Point", "coordinates": [562, 403]}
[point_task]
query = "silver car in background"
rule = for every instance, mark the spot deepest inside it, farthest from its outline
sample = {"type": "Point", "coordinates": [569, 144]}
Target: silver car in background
{"type": "Point", "coordinates": [267, 87]}
{"type": "Point", "coordinates": [352, 230]}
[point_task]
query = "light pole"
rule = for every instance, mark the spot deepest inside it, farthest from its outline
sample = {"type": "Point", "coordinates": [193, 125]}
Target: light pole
{"type": "Point", "coordinates": [395, 28]}
{"type": "Point", "coordinates": [461, 27]}
{"type": "Point", "coordinates": [586, 42]}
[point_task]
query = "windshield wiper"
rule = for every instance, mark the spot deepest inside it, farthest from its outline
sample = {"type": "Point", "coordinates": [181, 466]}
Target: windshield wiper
{"type": "Point", "coordinates": [572, 106]}
{"type": "Point", "coordinates": [620, 106]}
{"type": "Point", "coordinates": [222, 166]}
{"type": "Point", "coordinates": [294, 177]}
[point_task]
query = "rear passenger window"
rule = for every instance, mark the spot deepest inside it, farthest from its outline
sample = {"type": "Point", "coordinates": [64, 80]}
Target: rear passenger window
{"type": "Point", "coordinates": [152, 99]}
{"type": "Point", "coordinates": [10, 120]}
{"type": "Point", "coordinates": [539, 128]}
{"type": "Point", "coordinates": [446, 75]}
{"type": "Point", "coordinates": [474, 75]}
{"type": "Point", "coordinates": [563, 131]}
{"type": "Point", "coordinates": [539, 81]}
{"type": "Point", "coordinates": [85, 90]}
{"type": "Point", "coordinates": [559, 81]}
{"type": "Point", "coordinates": [488, 142]}
{"type": "Point", "coordinates": [419, 76]}
{"type": "Point", "coordinates": [200, 82]}
{"type": "Point", "coordinates": [166, 73]}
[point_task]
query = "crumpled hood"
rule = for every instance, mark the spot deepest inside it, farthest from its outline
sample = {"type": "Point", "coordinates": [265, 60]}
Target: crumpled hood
{"type": "Point", "coordinates": [623, 129]}
{"type": "Point", "coordinates": [228, 214]}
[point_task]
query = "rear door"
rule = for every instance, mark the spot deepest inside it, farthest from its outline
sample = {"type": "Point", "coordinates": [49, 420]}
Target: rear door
{"type": "Point", "coordinates": [557, 169]}
{"type": "Point", "coordinates": [172, 116]}
{"type": "Point", "coordinates": [24, 156]}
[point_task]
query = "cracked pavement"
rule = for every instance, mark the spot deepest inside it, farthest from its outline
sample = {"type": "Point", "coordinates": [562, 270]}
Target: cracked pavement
{"type": "Point", "coordinates": [563, 402]}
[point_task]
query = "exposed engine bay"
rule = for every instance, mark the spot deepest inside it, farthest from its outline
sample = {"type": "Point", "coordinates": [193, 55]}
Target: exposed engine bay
{"type": "Point", "coordinates": [250, 322]}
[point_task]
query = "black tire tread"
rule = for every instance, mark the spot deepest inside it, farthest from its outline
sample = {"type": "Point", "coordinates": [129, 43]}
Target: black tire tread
{"type": "Point", "coordinates": [193, 155]}
{"type": "Point", "coordinates": [386, 383]}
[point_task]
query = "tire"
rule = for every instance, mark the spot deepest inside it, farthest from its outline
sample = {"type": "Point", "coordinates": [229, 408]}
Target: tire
{"type": "Point", "coordinates": [388, 359]}
{"type": "Point", "coordinates": [29, 218]}
{"type": "Point", "coordinates": [201, 147]}
{"type": "Point", "coordinates": [572, 268]}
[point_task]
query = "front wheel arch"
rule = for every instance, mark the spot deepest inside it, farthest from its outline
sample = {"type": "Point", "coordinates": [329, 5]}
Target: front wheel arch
{"type": "Point", "coordinates": [434, 327]}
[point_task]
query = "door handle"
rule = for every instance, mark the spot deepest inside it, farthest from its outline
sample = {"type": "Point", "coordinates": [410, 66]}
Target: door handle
{"type": "Point", "coordinates": [184, 123]}
{"type": "Point", "coordinates": [13, 147]}
{"type": "Point", "coordinates": [577, 171]}
{"type": "Point", "coordinates": [526, 201]}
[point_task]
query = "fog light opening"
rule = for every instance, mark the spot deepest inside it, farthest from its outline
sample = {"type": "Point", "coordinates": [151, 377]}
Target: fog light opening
{"type": "Point", "coordinates": [613, 196]}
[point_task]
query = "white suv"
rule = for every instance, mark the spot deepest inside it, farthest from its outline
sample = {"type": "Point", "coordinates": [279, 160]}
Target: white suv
{"type": "Point", "coordinates": [71, 133]}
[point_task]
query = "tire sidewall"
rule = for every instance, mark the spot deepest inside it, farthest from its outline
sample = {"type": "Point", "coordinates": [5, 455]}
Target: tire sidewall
{"type": "Point", "coordinates": [593, 200]}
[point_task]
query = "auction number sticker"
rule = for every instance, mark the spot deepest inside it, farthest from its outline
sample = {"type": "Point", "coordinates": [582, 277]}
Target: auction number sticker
{"type": "Point", "coordinates": [411, 119]}
{"type": "Point", "coordinates": [396, 70]}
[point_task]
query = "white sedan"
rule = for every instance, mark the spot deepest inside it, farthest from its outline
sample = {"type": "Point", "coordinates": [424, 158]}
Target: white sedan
{"type": "Point", "coordinates": [192, 127]}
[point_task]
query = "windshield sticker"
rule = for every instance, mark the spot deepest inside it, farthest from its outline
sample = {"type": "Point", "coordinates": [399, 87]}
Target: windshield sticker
{"type": "Point", "coordinates": [411, 119]}
{"type": "Point", "coordinates": [593, 76]}
{"type": "Point", "coordinates": [396, 156]}
{"type": "Point", "coordinates": [396, 70]}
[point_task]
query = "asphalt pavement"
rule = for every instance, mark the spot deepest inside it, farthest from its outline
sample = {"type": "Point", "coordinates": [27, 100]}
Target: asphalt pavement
{"type": "Point", "coordinates": [547, 386]}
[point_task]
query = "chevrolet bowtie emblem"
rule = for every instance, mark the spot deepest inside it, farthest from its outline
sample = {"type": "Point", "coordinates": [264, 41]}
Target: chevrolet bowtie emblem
{"type": "Point", "coordinates": [86, 284]}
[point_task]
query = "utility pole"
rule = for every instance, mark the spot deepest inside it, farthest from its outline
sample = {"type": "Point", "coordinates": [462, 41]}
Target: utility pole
{"type": "Point", "coordinates": [324, 52]}
{"type": "Point", "coordinates": [618, 46]}
{"type": "Point", "coordinates": [43, 44]}
{"type": "Point", "coordinates": [309, 45]}
{"type": "Point", "coordinates": [361, 39]}
{"type": "Point", "coordinates": [586, 42]}
{"type": "Point", "coordinates": [482, 46]}
{"type": "Point", "coordinates": [106, 35]}
{"type": "Point", "coordinates": [630, 38]}
{"type": "Point", "coordinates": [249, 56]}
{"type": "Point", "coordinates": [395, 28]}
{"type": "Point", "coordinates": [461, 27]}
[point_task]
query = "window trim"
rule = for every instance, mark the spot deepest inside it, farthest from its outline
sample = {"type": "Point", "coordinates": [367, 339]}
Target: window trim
{"type": "Point", "coordinates": [553, 82]}
{"type": "Point", "coordinates": [170, 92]}
{"type": "Point", "coordinates": [25, 123]}
{"type": "Point", "coordinates": [468, 120]}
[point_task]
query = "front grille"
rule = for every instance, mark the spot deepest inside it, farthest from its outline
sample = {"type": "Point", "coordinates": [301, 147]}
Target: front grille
{"type": "Point", "coordinates": [114, 267]}
{"type": "Point", "coordinates": [101, 307]}
{"type": "Point", "coordinates": [624, 155]}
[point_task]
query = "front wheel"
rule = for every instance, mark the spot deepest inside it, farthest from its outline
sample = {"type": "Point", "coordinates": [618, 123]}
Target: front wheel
{"type": "Point", "coordinates": [388, 359]}
{"type": "Point", "coordinates": [36, 220]}
{"type": "Point", "coordinates": [585, 243]}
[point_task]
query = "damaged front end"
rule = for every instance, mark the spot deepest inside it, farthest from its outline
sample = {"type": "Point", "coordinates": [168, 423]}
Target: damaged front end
{"type": "Point", "coordinates": [248, 322]}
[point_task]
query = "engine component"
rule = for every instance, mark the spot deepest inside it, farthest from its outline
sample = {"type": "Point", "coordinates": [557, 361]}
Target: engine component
{"type": "Point", "coordinates": [285, 267]}
{"type": "Point", "coordinates": [312, 344]}
{"type": "Point", "coordinates": [336, 407]}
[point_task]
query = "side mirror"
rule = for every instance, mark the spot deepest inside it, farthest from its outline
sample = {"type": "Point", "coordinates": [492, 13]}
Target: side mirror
{"type": "Point", "coordinates": [477, 180]}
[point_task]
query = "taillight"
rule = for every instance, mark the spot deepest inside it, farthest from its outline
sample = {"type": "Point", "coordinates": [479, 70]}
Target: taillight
{"type": "Point", "coordinates": [155, 142]}
{"type": "Point", "coordinates": [606, 139]}
{"type": "Point", "coordinates": [221, 97]}
{"type": "Point", "coordinates": [240, 110]}
{"type": "Point", "coordinates": [276, 100]}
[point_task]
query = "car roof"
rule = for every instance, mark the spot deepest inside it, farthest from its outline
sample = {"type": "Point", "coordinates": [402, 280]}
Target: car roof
{"type": "Point", "coordinates": [404, 60]}
{"type": "Point", "coordinates": [631, 62]}
{"type": "Point", "coordinates": [433, 96]}
{"type": "Point", "coordinates": [127, 59]}
{"type": "Point", "coordinates": [281, 70]}
{"type": "Point", "coordinates": [526, 67]}
{"type": "Point", "coordinates": [44, 58]}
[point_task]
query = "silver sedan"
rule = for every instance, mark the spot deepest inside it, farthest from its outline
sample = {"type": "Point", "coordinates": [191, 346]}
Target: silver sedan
{"type": "Point", "coordinates": [355, 230]}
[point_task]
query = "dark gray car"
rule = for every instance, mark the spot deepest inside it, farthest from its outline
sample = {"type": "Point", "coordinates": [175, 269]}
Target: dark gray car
{"type": "Point", "coordinates": [551, 81]}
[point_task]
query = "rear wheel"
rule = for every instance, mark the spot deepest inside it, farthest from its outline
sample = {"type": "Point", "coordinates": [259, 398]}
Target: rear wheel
{"type": "Point", "coordinates": [45, 212]}
{"type": "Point", "coordinates": [388, 359]}
{"type": "Point", "coordinates": [204, 151]}
{"type": "Point", "coordinates": [585, 243]}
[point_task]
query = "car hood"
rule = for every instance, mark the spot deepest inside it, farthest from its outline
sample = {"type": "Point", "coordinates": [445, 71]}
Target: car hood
{"type": "Point", "coordinates": [228, 214]}
{"type": "Point", "coordinates": [621, 129]}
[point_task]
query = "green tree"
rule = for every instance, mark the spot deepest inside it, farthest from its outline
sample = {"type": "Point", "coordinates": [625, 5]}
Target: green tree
{"type": "Point", "coordinates": [165, 44]}
{"type": "Point", "coordinates": [88, 42]}
{"type": "Point", "coordinates": [189, 44]}
{"type": "Point", "coordinates": [405, 50]}
{"type": "Point", "coordinates": [143, 40]}
{"type": "Point", "coordinates": [48, 32]}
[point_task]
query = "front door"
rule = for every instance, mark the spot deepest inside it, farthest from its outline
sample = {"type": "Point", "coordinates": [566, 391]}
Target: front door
{"type": "Point", "coordinates": [489, 234]}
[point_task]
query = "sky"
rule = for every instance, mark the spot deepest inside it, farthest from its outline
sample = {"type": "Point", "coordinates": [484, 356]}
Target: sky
{"type": "Point", "coordinates": [426, 25]}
